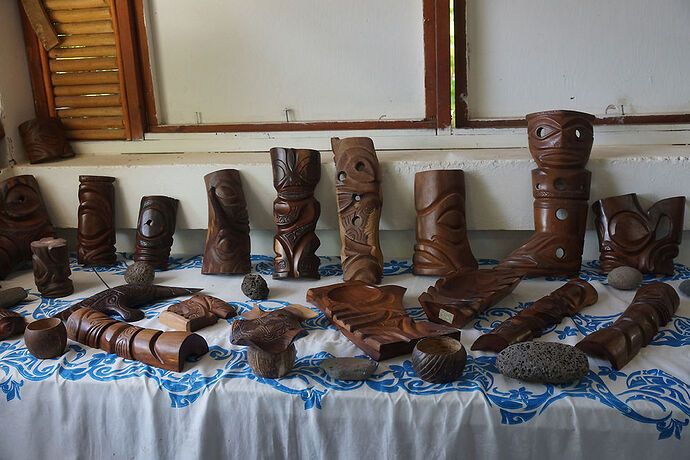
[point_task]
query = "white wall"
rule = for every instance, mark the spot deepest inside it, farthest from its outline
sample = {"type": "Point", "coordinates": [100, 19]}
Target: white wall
{"type": "Point", "coordinates": [531, 55]}
{"type": "Point", "coordinates": [246, 61]}
{"type": "Point", "coordinates": [16, 98]}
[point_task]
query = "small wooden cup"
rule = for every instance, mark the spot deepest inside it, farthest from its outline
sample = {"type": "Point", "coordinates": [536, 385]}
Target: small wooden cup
{"type": "Point", "coordinates": [439, 359]}
{"type": "Point", "coordinates": [46, 338]}
{"type": "Point", "coordinates": [271, 365]}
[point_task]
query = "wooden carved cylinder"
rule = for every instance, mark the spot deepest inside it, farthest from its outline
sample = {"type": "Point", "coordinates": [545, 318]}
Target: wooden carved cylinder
{"type": "Point", "coordinates": [166, 350]}
{"type": "Point", "coordinates": [358, 188]}
{"type": "Point", "coordinates": [442, 247]}
{"type": "Point", "coordinates": [155, 229]}
{"type": "Point", "coordinates": [296, 212]}
{"type": "Point", "coordinates": [51, 267]}
{"type": "Point", "coordinates": [44, 140]}
{"type": "Point", "coordinates": [96, 221]}
{"type": "Point", "coordinates": [227, 241]}
{"type": "Point", "coordinates": [23, 219]}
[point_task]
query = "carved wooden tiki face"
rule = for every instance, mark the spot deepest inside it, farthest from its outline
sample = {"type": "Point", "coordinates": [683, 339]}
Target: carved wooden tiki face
{"type": "Point", "coordinates": [44, 140]}
{"type": "Point", "coordinates": [295, 172]}
{"type": "Point", "coordinates": [155, 229]}
{"type": "Point", "coordinates": [96, 225]}
{"type": "Point", "coordinates": [560, 138]}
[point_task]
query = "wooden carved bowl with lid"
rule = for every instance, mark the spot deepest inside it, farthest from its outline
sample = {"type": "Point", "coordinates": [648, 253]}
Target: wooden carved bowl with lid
{"type": "Point", "coordinates": [46, 338]}
{"type": "Point", "coordinates": [439, 359]}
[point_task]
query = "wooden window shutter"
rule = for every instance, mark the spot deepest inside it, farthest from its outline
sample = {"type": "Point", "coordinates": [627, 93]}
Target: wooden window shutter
{"type": "Point", "coordinates": [90, 80]}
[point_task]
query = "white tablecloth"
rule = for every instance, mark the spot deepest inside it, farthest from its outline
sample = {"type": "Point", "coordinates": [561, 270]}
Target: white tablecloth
{"type": "Point", "coordinates": [88, 404]}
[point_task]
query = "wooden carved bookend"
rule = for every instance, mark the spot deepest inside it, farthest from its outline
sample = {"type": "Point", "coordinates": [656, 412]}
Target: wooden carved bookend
{"type": "Point", "coordinates": [529, 323]}
{"type": "Point", "coordinates": [560, 141]}
{"type": "Point", "coordinates": [196, 313]}
{"type": "Point", "coordinates": [652, 307]}
{"type": "Point", "coordinates": [296, 212]}
{"type": "Point", "coordinates": [442, 247]}
{"type": "Point", "coordinates": [155, 229]}
{"type": "Point", "coordinates": [23, 219]}
{"type": "Point", "coordinates": [630, 236]}
{"type": "Point", "coordinates": [44, 140]}
{"type": "Point", "coordinates": [51, 267]}
{"type": "Point", "coordinates": [272, 332]}
{"type": "Point", "coordinates": [457, 299]}
{"type": "Point", "coordinates": [96, 221]}
{"type": "Point", "coordinates": [11, 323]}
{"type": "Point", "coordinates": [120, 300]}
{"type": "Point", "coordinates": [166, 350]}
{"type": "Point", "coordinates": [358, 188]}
{"type": "Point", "coordinates": [227, 241]}
{"type": "Point", "coordinates": [373, 318]}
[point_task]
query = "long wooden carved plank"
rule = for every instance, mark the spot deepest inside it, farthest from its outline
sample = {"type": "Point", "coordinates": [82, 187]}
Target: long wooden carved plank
{"type": "Point", "coordinates": [652, 307]}
{"type": "Point", "coordinates": [373, 318]}
{"type": "Point", "coordinates": [529, 323]}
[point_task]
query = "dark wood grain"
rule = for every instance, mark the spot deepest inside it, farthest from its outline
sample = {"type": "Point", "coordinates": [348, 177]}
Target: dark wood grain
{"type": "Point", "coordinates": [11, 323]}
{"type": "Point", "coordinates": [155, 229]}
{"type": "Point", "coordinates": [51, 267]}
{"type": "Point", "coordinates": [272, 332]}
{"type": "Point", "coordinates": [96, 221]}
{"type": "Point", "coordinates": [296, 212]}
{"type": "Point", "coordinates": [44, 140]}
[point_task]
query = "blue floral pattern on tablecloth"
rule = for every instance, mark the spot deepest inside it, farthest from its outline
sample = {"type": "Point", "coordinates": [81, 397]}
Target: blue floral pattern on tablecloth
{"type": "Point", "coordinates": [311, 384]}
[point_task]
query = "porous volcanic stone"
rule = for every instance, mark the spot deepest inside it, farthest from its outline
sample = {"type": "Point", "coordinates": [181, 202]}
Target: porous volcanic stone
{"type": "Point", "coordinates": [12, 296]}
{"type": "Point", "coordinates": [254, 286]}
{"type": "Point", "coordinates": [543, 362]}
{"type": "Point", "coordinates": [685, 287]}
{"type": "Point", "coordinates": [625, 278]}
{"type": "Point", "coordinates": [140, 273]}
{"type": "Point", "coordinates": [348, 368]}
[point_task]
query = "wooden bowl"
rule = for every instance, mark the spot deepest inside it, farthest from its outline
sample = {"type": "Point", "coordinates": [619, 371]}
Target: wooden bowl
{"type": "Point", "coordinates": [46, 338]}
{"type": "Point", "coordinates": [439, 359]}
{"type": "Point", "coordinates": [271, 365]}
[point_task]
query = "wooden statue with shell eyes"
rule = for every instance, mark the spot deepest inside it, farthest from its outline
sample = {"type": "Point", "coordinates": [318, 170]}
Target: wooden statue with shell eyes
{"type": "Point", "coordinates": [296, 212]}
{"type": "Point", "coordinates": [358, 188]}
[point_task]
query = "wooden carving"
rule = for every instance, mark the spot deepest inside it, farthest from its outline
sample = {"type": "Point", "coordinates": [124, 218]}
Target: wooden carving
{"type": "Point", "coordinates": [273, 332]}
{"type": "Point", "coordinates": [155, 229]}
{"type": "Point", "coordinates": [529, 323]}
{"type": "Point", "coordinates": [120, 300]}
{"type": "Point", "coordinates": [196, 313]}
{"type": "Point", "coordinates": [296, 211]}
{"type": "Point", "coordinates": [166, 350]}
{"type": "Point", "coordinates": [630, 236]}
{"type": "Point", "coordinates": [560, 141]}
{"type": "Point", "coordinates": [11, 323]}
{"type": "Point", "coordinates": [44, 140]}
{"type": "Point", "coordinates": [96, 221]}
{"type": "Point", "coordinates": [373, 318]}
{"type": "Point", "coordinates": [227, 241]}
{"type": "Point", "coordinates": [652, 307]}
{"type": "Point", "coordinates": [358, 187]}
{"type": "Point", "coordinates": [51, 267]}
{"type": "Point", "coordinates": [23, 219]}
{"type": "Point", "coordinates": [442, 247]}
{"type": "Point", "coordinates": [457, 299]}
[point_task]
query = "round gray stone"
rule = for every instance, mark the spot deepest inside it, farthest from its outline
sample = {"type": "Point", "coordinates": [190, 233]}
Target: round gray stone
{"type": "Point", "coordinates": [543, 362]}
{"type": "Point", "coordinates": [255, 287]}
{"type": "Point", "coordinates": [685, 287]}
{"type": "Point", "coordinates": [140, 273]}
{"type": "Point", "coordinates": [12, 296]}
{"type": "Point", "coordinates": [625, 278]}
{"type": "Point", "coordinates": [348, 368]}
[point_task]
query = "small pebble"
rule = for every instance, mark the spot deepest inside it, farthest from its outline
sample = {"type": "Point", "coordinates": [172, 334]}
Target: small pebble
{"type": "Point", "coordinates": [348, 368]}
{"type": "Point", "coordinates": [255, 287]}
{"type": "Point", "coordinates": [685, 287]}
{"type": "Point", "coordinates": [625, 278]}
{"type": "Point", "coordinates": [12, 296]}
{"type": "Point", "coordinates": [140, 273]}
{"type": "Point", "coordinates": [543, 362]}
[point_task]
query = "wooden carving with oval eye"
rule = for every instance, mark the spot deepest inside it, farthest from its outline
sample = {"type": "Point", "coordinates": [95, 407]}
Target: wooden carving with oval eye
{"type": "Point", "coordinates": [227, 241]}
{"type": "Point", "coordinates": [96, 221]}
{"type": "Point", "coordinates": [296, 172]}
{"type": "Point", "coordinates": [630, 236]}
{"type": "Point", "coordinates": [23, 219]}
{"type": "Point", "coordinates": [44, 140]}
{"type": "Point", "coordinates": [155, 229]}
{"type": "Point", "coordinates": [358, 190]}
{"type": "Point", "coordinates": [560, 138]}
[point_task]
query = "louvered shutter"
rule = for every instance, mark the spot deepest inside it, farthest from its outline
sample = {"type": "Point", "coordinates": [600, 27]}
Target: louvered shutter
{"type": "Point", "coordinates": [83, 76]}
